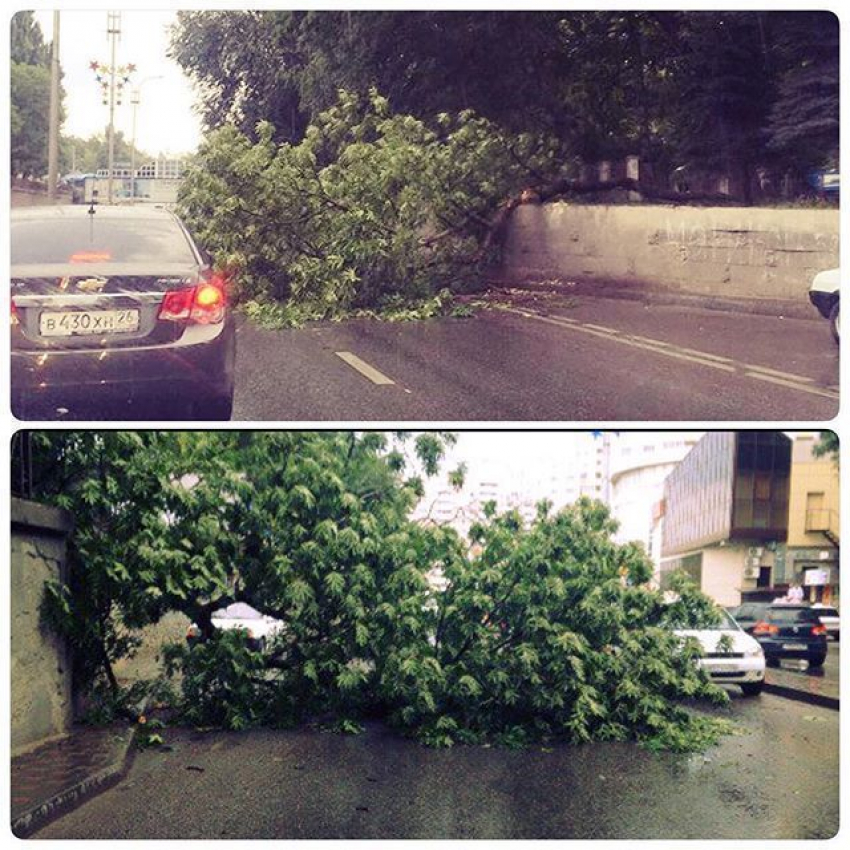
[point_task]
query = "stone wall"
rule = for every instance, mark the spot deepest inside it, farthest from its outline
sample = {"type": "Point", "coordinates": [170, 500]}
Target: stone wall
{"type": "Point", "coordinates": [733, 252]}
{"type": "Point", "coordinates": [42, 704]}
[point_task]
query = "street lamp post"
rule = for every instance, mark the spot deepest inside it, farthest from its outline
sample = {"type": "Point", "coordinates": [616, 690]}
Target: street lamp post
{"type": "Point", "coordinates": [135, 99]}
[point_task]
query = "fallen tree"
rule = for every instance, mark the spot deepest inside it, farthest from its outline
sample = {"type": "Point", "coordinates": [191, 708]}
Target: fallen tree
{"type": "Point", "coordinates": [373, 210]}
{"type": "Point", "coordinates": [547, 631]}
{"type": "Point", "coordinates": [370, 210]}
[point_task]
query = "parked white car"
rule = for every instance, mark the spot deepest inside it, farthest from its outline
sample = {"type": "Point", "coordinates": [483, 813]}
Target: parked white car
{"type": "Point", "coordinates": [742, 664]}
{"type": "Point", "coordinates": [824, 294]}
{"type": "Point", "coordinates": [260, 628]}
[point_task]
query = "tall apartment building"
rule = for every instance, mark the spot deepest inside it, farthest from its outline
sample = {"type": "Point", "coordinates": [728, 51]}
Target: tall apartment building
{"type": "Point", "coordinates": [638, 464]}
{"type": "Point", "coordinates": [580, 469]}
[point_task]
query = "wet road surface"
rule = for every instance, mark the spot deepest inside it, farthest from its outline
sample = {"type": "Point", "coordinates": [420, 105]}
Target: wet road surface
{"type": "Point", "coordinates": [779, 779]}
{"type": "Point", "coordinates": [565, 360]}
{"type": "Point", "coordinates": [562, 359]}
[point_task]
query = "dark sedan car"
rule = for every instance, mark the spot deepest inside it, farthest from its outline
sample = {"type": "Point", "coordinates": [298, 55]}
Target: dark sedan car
{"type": "Point", "coordinates": [116, 312]}
{"type": "Point", "coordinates": [785, 631]}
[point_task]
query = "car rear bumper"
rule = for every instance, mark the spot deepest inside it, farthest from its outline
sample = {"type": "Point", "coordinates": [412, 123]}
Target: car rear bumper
{"type": "Point", "coordinates": [154, 380]}
{"type": "Point", "coordinates": [822, 301]}
{"type": "Point", "coordinates": [779, 648]}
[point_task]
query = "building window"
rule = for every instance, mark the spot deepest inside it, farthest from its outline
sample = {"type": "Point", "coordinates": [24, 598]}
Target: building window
{"type": "Point", "coordinates": [690, 564]}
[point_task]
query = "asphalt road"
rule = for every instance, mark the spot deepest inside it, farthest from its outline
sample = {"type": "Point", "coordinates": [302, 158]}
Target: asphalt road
{"type": "Point", "coordinates": [778, 779]}
{"type": "Point", "coordinates": [553, 361]}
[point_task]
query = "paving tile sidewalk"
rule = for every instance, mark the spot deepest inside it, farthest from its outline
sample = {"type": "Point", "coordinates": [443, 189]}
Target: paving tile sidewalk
{"type": "Point", "coordinates": [58, 776]}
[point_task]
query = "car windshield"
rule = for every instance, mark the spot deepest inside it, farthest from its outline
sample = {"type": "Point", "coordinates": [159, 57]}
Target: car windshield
{"type": "Point", "coordinates": [93, 239]}
{"type": "Point", "coordinates": [724, 623]}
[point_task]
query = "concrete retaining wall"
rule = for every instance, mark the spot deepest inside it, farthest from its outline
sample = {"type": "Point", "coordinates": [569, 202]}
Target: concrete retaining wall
{"type": "Point", "coordinates": [725, 252]}
{"type": "Point", "coordinates": [41, 672]}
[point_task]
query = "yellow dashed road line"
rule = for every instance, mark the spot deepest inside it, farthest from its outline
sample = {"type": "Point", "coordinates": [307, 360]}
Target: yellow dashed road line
{"type": "Point", "coordinates": [794, 386]}
{"type": "Point", "coordinates": [678, 352]}
{"type": "Point", "coordinates": [777, 373]}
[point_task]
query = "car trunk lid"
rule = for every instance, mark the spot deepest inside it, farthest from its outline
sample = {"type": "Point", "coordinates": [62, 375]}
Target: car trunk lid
{"type": "Point", "coordinates": [94, 307]}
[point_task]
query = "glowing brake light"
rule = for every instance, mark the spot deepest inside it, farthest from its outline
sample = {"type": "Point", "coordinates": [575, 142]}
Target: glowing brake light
{"type": "Point", "coordinates": [202, 304]}
{"type": "Point", "coordinates": [762, 628]}
{"type": "Point", "coordinates": [819, 630]}
{"type": "Point", "coordinates": [90, 257]}
{"type": "Point", "coordinates": [14, 317]}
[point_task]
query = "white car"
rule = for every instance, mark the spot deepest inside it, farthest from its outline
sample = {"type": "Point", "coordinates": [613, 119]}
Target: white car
{"type": "Point", "coordinates": [828, 617]}
{"type": "Point", "coordinates": [823, 293]}
{"type": "Point", "coordinates": [742, 664]}
{"type": "Point", "coordinates": [260, 628]}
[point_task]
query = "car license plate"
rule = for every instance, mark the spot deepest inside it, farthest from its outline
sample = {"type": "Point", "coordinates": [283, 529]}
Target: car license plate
{"type": "Point", "coordinates": [81, 322]}
{"type": "Point", "coordinates": [793, 646]}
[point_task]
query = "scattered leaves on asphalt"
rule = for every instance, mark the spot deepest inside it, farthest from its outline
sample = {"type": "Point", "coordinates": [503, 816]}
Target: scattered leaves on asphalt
{"type": "Point", "coordinates": [195, 768]}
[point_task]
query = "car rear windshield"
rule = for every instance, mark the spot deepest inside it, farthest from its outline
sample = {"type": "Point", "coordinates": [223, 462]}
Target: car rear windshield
{"type": "Point", "coordinates": [99, 239]}
{"type": "Point", "coordinates": [792, 615]}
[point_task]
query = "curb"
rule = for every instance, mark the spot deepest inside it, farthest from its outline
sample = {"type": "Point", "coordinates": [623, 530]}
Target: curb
{"type": "Point", "coordinates": [786, 308]}
{"type": "Point", "coordinates": [65, 801]}
{"type": "Point", "coordinates": [802, 696]}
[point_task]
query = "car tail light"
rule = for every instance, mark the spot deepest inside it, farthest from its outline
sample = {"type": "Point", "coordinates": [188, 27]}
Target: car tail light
{"type": "Point", "coordinates": [193, 632]}
{"type": "Point", "coordinates": [763, 628]}
{"type": "Point", "coordinates": [819, 630]}
{"type": "Point", "coordinates": [14, 317]}
{"type": "Point", "coordinates": [202, 304]}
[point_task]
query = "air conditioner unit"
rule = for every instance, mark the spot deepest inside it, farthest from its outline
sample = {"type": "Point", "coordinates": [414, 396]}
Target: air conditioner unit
{"type": "Point", "coordinates": [755, 551]}
{"type": "Point", "coordinates": [751, 572]}
{"type": "Point", "coordinates": [754, 563]}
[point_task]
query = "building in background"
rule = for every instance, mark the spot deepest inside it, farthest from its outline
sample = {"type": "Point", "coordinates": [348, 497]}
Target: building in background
{"type": "Point", "coordinates": [520, 483]}
{"type": "Point", "coordinates": [638, 464]}
{"type": "Point", "coordinates": [810, 557]}
{"type": "Point", "coordinates": [725, 513]}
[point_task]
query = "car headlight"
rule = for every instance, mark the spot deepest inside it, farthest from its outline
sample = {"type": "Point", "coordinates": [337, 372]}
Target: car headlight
{"type": "Point", "coordinates": [755, 652]}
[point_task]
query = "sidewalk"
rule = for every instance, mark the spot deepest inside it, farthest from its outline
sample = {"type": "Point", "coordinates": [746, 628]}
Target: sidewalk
{"type": "Point", "coordinates": [58, 776]}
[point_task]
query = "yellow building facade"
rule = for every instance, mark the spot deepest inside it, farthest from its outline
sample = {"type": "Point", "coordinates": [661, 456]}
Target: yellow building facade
{"type": "Point", "coordinates": [811, 551]}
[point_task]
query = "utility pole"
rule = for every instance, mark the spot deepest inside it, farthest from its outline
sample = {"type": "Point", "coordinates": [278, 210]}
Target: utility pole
{"type": "Point", "coordinates": [53, 131]}
{"type": "Point", "coordinates": [113, 30]}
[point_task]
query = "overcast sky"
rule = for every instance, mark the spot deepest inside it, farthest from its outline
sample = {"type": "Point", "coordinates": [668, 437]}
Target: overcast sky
{"type": "Point", "coordinates": [514, 460]}
{"type": "Point", "coordinates": [166, 121]}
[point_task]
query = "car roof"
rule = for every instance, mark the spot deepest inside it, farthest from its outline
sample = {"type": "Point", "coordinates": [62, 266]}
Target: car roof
{"type": "Point", "coordinates": [237, 611]}
{"type": "Point", "coordinates": [74, 211]}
